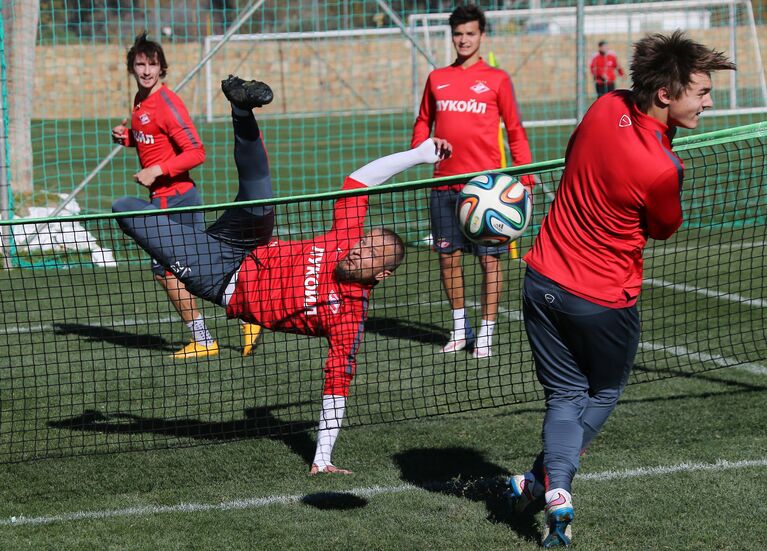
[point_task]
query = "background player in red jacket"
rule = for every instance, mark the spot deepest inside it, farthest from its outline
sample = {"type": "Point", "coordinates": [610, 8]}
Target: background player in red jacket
{"type": "Point", "coordinates": [604, 64]}
{"type": "Point", "coordinates": [584, 271]}
{"type": "Point", "coordinates": [319, 286]}
{"type": "Point", "coordinates": [464, 104]}
{"type": "Point", "coordinates": [168, 147]}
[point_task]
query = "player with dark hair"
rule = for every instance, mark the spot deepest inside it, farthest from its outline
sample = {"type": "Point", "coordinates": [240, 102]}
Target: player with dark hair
{"type": "Point", "coordinates": [603, 66]}
{"type": "Point", "coordinates": [467, 14]}
{"type": "Point", "coordinates": [584, 271]}
{"type": "Point", "coordinates": [319, 286]}
{"type": "Point", "coordinates": [465, 103]}
{"type": "Point", "coordinates": [168, 147]}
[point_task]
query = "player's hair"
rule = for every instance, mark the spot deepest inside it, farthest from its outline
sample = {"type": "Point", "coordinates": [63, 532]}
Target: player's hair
{"type": "Point", "coordinates": [394, 240]}
{"type": "Point", "coordinates": [465, 14]}
{"type": "Point", "coordinates": [602, 43]}
{"type": "Point", "coordinates": [662, 61]}
{"type": "Point", "coordinates": [151, 49]}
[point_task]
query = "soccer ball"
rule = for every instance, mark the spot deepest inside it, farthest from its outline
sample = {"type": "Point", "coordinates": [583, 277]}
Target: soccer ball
{"type": "Point", "coordinates": [494, 209]}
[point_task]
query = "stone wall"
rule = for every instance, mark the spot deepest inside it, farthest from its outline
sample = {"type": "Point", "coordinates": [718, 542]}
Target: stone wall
{"type": "Point", "coordinates": [331, 75]}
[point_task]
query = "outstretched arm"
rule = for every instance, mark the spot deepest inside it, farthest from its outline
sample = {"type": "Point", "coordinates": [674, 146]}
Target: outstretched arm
{"type": "Point", "coordinates": [333, 409]}
{"type": "Point", "coordinates": [380, 170]}
{"type": "Point", "coordinates": [344, 337]}
{"type": "Point", "coordinates": [349, 212]}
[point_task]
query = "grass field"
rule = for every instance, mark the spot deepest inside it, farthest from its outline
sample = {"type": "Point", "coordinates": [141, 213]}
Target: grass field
{"type": "Point", "coordinates": [107, 443]}
{"type": "Point", "coordinates": [655, 479]}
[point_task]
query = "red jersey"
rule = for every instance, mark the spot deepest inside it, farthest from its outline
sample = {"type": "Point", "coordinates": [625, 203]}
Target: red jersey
{"type": "Point", "coordinates": [290, 286]}
{"type": "Point", "coordinates": [465, 107]}
{"type": "Point", "coordinates": [621, 184]}
{"type": "Point", "coordinates": [163, 134]}
{"type": "Point", "coordinates": [603, 67]}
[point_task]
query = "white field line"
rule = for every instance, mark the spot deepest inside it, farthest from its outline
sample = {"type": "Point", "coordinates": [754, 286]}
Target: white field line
{"type": "Point", "coordinates": [371, 491]}
{"type": "Point", "coordinates": [718, 466]}
{"type": "Point", "coordinates": [707, 249]}
{"type": "Point", "coordinates": [721, 361]}
{"type": "Point", "coordinates": [732, 297]}
{"type": "Point", "coordinates": [43, 327]}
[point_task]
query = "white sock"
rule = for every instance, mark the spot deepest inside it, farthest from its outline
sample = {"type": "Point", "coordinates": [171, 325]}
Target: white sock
{"type": "Point", "coordinates": [200, 332]}
{"type": "Point", "coordinates": [553, 493]}
{"type": "Point", "coordinates": [333, 409]}
{"type": "Point", "coordinates": [459, 323]}
{"type": "Point", "coordinates": [485, 337]}
{"type": "Point", "coordinates": [378, 171]}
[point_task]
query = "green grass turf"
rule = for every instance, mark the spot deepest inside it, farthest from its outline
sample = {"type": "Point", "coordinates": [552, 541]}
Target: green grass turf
{"type": "Point", "coordinates": [456, 465]}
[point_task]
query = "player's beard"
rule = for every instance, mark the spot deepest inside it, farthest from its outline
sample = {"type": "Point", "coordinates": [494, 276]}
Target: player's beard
{"type": "Point", "coordinates": [346, 275]}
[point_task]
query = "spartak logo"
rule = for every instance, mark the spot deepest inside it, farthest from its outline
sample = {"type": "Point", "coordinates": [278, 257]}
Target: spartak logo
{"type": "Point", "coordinates": [334, 302]}
{"type": "Point", "coordinates": [480, 88]}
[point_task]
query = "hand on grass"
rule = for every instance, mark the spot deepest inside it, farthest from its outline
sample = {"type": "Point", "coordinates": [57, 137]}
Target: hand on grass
{"type": "Point", "coordinates": [330, 469]}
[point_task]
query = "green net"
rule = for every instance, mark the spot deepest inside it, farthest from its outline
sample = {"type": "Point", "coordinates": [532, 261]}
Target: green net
{"type": "Point", "coordinates": [347, 76]}
{"type": "Point", "coordinates": [86, 348]}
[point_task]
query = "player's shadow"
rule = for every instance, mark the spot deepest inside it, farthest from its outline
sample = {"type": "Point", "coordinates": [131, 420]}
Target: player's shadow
{"type": "Point", "coordinates": [465, 473]}
{"type": "Point", "coordinates": [406, 329]}
{"type": "Point", "coordinates": [258, 422]}
{"type": "Point", "coordinates": [117, 338]}
{"type": "Point", "coordinates": [335, 501]}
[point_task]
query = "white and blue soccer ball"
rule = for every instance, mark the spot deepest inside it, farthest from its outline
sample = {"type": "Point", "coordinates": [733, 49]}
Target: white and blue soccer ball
{"type": "Point", "coordinates": [494, 209]}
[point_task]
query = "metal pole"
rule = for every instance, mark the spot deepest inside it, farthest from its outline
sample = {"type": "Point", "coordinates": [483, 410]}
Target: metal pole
{"type": "Point", "coordinates": [414, 71]}
{"type": "Point", "coordinates": [157, 22]}
{"type": "Point", "coordinates": [755, 38]}
{"type": "Point", "coordinates": [580, 62]}
{"type": "Point", "coordinates": [397, 21]}
{"type": "Point", "coordinates": [733, 56]}
{"type": "Point", "coordinates": [5, 188]}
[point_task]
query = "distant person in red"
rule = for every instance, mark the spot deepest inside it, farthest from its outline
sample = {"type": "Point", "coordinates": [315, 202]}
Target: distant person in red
{"type": "Point", "coordinates": [464, 104]}
{"type": "Point", "coordinates": [168, 147]}
{"type": "Point", "coordinates": [584, 271]}
{"type": "Point", "coordinates": [604, 65]}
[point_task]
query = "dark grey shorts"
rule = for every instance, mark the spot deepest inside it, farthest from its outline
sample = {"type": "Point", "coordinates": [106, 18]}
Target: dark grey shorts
{"type": "Point", "coordinates": [445, 229]}
{"type": "Point", "coordinates": [577, 344]}
{"type": "Point", "coordinates": [189, 199]}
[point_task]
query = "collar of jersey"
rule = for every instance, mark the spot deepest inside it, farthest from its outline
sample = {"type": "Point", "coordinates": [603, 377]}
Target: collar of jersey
{"type": "Point", "coordinates": [479, 64]}
{"type": "Point", "coordinates": [643, 120]}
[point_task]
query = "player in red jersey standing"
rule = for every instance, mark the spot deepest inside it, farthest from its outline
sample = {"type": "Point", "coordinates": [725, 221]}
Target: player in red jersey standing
{"type": "Point", "coordinates": [464, 104]}
{"type": "Point", "coordinates": [319, 286]}
{"type": "Point", "coordinates": [604, 64]}
{"type": "Point", "coordinates": [168, 147]}
{"type": "Point", "coordinates": [584, 271]}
